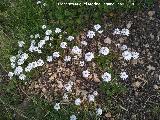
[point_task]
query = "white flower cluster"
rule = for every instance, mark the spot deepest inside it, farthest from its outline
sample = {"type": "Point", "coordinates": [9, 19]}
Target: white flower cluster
{"type": "Point", "coordinates": [33, 65]}
{"type": "Point", "coordinates": [124, 31]}
{"type": "Point", "coordinates": [128, 55]}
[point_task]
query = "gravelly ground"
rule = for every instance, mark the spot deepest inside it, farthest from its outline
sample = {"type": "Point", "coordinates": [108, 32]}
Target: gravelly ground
{"type": "Point", "coordinates": [144, 74]}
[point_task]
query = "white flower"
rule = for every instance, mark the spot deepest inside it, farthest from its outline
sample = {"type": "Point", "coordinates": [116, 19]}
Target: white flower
{"type": "Point", "coordinates": [90, 34]}
{"type": "Point", "coordinates": [99, 111]}
{"type": "Point", "coordinates": [117, 31]}
{"type": "Point", "coordinates": [76, 50]}
{"type": "Point", "coordinates": [31, 48]}
{"type": "Point", "coordinates": [20, 61]}
{"type": "Point", "coordinates": [41, 43]}
{"type": "Point", "coordinates": [58, 30]}
{"type": "Point", "coordinates": [36, 49]}
{"type": "Point", "coordinates": [104, 51]}
{"type": "Point", "coordinates": [18, 70]}
{"type": "Point", "coordinates": [70, 38]}
{"type": "Point", "coordinates": [49, 58]}
{"type": "Point", "coordinates": [13, 59]}
{"type": "Point", "coordinates": [81, 63]}
{"type": "Point", "coordinates": [123, 75]}
{"type": "Point", "coordinates": [20, 43]}
{"type": "Point", "coordinates": [60, 36]}
{"type": "Point", "coordinates": [46, 38]}
{"type": "Point", "coordinates": [91, 98]}
{"type": "Point", "coordinates": [89, 56]}
{"type": "Point", "coordinates": [127, 55]}
{"type": "Point", "coordinates": [31, 36]}
{"type": "Point", "coordinates": [13, 65]}
{"type": "Point", "coordinates": [24, 56]}
{"type": "Point", "coordinates": [63, 45]}
{"type": "Point", "coordinates": [85, 73]}
{"type": "Point", "coordinates": [28, 69]}
{"type": "Point", "coordinates": [84, 43]}
{"type": "Point", "coordinates": [39, 51]}
{"type": "Point", "coordinates": [125, 32]}
{"type": "Point", "coordinates": [124, 47]}
{"type": "Point", "coordinates": [106, 77]}
{"type": "Point", "coordinates": [73, 117]}
{"type": "Point", "coordinates": [68, 87]}
{"type": "Point", "coordinates": [34, 64]}
{"type": "Point", "coordinates": [44, 4]}
{"type": "Point", "coordinates": [78, 101]}
{"type": "Point", "coordinates": [40, 62]}
{"type": "Point", "coordinates": [135, 55]}
{"type": "Point", "coordinates": [30, 66]}
{"type": "Point", "coordinates": [100, 31]}
{"type": "Point", "coordinates": [37, 36]}
{"type": "Point", "coordinates": [44, 26]}
{"type": "Point", "coordinates": [97, 27]}
{"type": "Point", "coordinates": [57, 106]}
{"type": "Point", "coordinates": [10, 74]}
{"type": "Point", "coordinates": [95, 93]}
{"type": "Point", "coordinates": [22, 77]}
{"type": "Point", "coordinates": [65, 96]}
{"type": "Point", "coordinates": [48, 32]}
{"type": "Point", "coordinates": [39, 2]}
{"type": "Point", "coordinates": [56, 55]}
{"type": "Point", "coordinates": [67, 58]}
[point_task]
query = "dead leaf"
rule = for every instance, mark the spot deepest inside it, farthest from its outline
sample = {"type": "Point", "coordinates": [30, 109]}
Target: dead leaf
{"type": "Point", "coordinates": [95, 77]}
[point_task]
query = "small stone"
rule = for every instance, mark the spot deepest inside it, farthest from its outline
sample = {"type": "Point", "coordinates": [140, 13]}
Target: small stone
{"type": "Point", "coordinates": [155, 87]}
{"type": "Point", "coordinates": [129, 24]}
{"type": "Point", "coordinates": [108, 115]}
{"type": "Point", "coordinates": [150, 68]}
{"type": "Point", "coordinates": [151, 13]}
{"type": "Point", "coordinates": [107, 40]}
{"type": "Point", "coordinates": [60, 85]}
{"type": "Point", "coordinates": [136, 84]}
{"type": "Point", "coordinates": [44, 90]}
{"type": "Point", "coordinates": [152, 36]}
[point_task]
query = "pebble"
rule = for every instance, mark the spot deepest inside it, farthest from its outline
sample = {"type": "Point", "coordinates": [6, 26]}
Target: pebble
{"type": "Point", "coordinates": [151, 13]}
{"type": "Point", "coordinates": [107, 40]}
